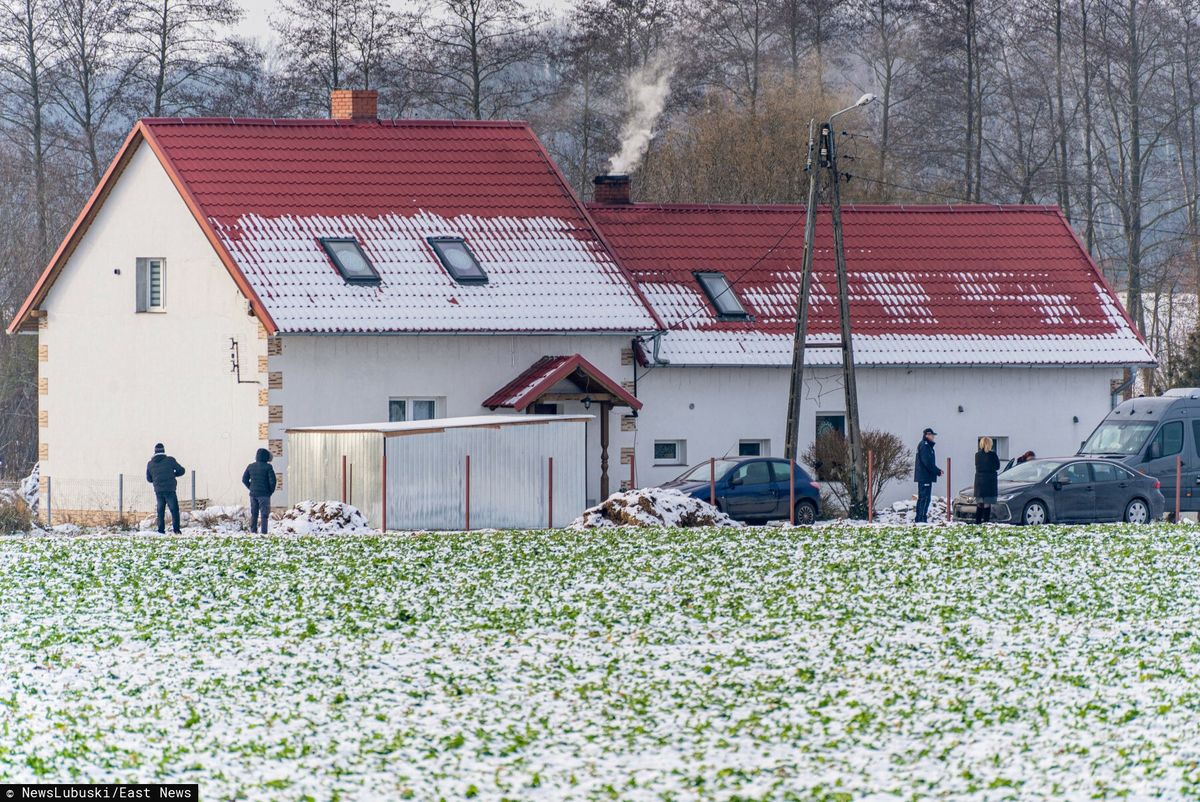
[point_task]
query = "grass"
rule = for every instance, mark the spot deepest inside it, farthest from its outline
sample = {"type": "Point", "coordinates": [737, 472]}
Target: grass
{"type": "Point", "coordinates": [830, 664]}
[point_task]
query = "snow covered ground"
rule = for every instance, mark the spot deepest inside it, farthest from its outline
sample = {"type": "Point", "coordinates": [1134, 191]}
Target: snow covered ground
{"type": "Point", "coordinates": [829, 663]}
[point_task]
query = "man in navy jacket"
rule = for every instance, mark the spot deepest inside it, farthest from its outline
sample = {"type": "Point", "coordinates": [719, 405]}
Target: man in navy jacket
{"type": "Point", "coordinates": [926, 474]}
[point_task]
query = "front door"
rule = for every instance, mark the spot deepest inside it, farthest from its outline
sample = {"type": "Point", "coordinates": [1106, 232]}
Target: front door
{"type": "Point", "coordinates": [750, 494]}
{"type": "Point", "coordinates": [1112, 484]}
{"type": "Point", "coordinates": [1074, 495]}
{"type": "Point", "coordinates": [1166, 446]}
{"type": "Point", "coordinates": [781, 474]}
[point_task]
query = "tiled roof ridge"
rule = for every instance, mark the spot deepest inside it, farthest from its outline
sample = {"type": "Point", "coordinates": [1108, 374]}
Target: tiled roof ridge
{"type": "Point", "coordinates": [299, 122]}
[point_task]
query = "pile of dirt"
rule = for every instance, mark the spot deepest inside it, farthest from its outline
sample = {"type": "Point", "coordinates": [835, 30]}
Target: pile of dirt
{"type": "Point", "coordinates": [321, 518]}
{"type": "Point", "coordinates": [652, 506]}
{"type": "Point", "coordinates": [905, 512]}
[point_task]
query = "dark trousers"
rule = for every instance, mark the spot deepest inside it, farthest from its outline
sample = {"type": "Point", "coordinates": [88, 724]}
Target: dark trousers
{"type": "Point", "coordinates": [260, 513]}
{"type": "Point", "coordinates": [167, 499]}
{"type": "Point", "coordinates": [924, 491]}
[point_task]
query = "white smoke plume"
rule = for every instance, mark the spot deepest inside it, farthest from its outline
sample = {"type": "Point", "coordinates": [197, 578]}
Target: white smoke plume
{"type": "Point", "coordinates": [647, 88]}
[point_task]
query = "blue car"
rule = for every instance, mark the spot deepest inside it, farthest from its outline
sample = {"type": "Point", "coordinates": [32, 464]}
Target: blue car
{"type": "Point", "coordinates": [753, 489]}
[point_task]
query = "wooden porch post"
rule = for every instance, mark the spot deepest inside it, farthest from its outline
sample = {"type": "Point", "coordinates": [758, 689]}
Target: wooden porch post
{"type": "Point", "coordinates": [605, 406]}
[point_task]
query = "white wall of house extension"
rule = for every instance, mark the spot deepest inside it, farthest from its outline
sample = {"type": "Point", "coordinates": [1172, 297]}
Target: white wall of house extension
{"type": "Point", "coordinates": [339, 379]}
{"type": "Point", "coordinates": [712, 409]}
{"type": "Point", "coordinates": [118, 381]}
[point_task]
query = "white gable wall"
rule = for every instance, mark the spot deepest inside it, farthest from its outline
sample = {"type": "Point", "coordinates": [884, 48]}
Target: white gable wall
{"type": "Point", "coordinates": [713, 408]}
{"type": "Point", "coordinates": [118, 381]}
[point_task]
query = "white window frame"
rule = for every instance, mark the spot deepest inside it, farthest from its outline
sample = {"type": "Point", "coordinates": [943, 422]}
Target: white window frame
{"type": "Point", "coordinates": [999, 444]}
{"type": "Point", "coordinates": [680, 452]}
{"type": "Point", "coordinates": [764, 447]}
{"type": "Point", "coordinates": [142, 273]}
{"type": "Point", "coordinates": [408, 405]}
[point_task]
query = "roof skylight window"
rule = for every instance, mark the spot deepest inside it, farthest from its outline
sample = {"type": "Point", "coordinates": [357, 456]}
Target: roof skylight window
{"type": "Point", "coordinates": [347, 256]}
{"type": "Point", "coordinates": [458, 260]}
{"type": "Point", "coordinates": [720, 292]}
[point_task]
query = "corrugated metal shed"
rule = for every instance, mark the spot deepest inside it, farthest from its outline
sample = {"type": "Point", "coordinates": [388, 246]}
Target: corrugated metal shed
{"type": "Point", "coordinates": [424, 477]}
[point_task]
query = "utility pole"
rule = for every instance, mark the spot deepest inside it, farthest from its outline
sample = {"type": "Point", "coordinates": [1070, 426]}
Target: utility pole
{"type": "Point", "coordinates": [857, 489]}
{"type": "Point", "coordinates": [791, 446]}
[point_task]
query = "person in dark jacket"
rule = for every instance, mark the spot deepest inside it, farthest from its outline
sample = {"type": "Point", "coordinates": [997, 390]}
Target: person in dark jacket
{"type": "Point", "coordinates": [987, 466]}
{"type": "Point", "coordinates": [259, 479]}
{"type": "Point", "coordinates": [926, 474]}
{"type": "Point", "coordinates": [162, 472]}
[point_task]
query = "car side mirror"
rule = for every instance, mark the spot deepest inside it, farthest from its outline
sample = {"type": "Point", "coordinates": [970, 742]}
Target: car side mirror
{"type": "Point", "coordinates": [1149, 455]}
{"type": "Point", "coordinates": [1058, 483]}
{"type": "Point", "coordinates": [735, 481]}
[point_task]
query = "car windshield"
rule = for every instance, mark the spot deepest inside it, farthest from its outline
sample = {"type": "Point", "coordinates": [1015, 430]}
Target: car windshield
{"type": "Point", "coordinates": [1118, 437]}
{"type": "Point", "coordinates": [1032, 471]}
{"type": "Point", "coordinates": [700, 473]}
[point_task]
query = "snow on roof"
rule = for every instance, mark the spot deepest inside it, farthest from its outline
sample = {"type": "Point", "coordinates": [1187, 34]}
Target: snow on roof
{"type": "Point", "coordinates": [270, 189]}
{"type": "Point", "coordinates": [928, 285]}
{"type": "Point", "coordinates": [542, 375]}
{"type": "Point", "coordinates": [441, 424]}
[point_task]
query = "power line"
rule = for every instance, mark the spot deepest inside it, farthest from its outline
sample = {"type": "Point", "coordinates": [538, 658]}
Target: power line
{"type": "Point", "coordinates": [962, 199]}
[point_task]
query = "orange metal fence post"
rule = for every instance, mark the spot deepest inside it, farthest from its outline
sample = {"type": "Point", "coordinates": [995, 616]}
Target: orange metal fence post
{"type": "Point", "coordinates": [343, 478]}
{"type": "Point", "coordinates": [792, 492]}
{"type": "Point", "coordinates": [383, 491]}
{"type": "Point", "coordinates": [870, 484]}
{"type": "Point", "coordinates": [1178, 482]}
{"type": "Point", "coordinates": [468, 522]}
{"type": "Point", "coordinates": [949, 504]}
{"type": "Point", "coordinates": [712, 481]}
{"type": "Point", "coordinates": [632, 473]}
{"type": "Point", "coordinates": [350, 486]}
{"type": "Point", "coordinates": [550, 494]}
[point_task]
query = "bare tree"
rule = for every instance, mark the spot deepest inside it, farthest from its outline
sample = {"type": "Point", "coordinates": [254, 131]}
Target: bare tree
{"type": "Point", "coordinates": [181, 45]}
{"type": "Point", "coordinates": [481, 59]}
{"type": "Point", "coordinates": [96, 72]}
{"type": "Point", "coordinates": [28, 58]}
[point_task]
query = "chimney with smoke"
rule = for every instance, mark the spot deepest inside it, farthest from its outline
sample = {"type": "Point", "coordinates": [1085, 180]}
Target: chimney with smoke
{"type": "Point", "coordinates": [354, 104]}
{"type": "Point", "coordinates": [611, 190]}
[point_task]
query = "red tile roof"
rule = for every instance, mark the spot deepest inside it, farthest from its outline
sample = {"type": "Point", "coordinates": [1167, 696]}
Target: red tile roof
{"type": "Point", "coordinates": [541, 376]}
{"type": "Point", "coordinates": [928, 284]}
{"type": "Point", "coordinates": [265, 191]}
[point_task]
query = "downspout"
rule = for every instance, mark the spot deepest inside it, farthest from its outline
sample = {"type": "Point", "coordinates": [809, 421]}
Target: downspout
{"type": "Point", "coordinates": [1120, 389]}
{"type": "Point", "coordinates": [658, 360]}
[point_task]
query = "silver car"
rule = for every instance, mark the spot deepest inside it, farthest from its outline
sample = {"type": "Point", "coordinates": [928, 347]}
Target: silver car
{"type": "Point", "coordinates": [1069, 490]}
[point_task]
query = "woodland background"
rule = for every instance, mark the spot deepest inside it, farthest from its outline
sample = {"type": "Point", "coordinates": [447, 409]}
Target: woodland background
{"type": "Point", "coordinates": [1092, 105]}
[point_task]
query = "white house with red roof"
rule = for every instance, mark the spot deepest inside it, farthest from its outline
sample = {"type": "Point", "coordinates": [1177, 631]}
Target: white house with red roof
{"type": "Point", "coordinates": [231, 278]}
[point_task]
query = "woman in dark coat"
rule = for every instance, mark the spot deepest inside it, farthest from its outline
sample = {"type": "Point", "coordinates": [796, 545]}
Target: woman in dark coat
{"type": "Point", "coordinates": [987, 466]}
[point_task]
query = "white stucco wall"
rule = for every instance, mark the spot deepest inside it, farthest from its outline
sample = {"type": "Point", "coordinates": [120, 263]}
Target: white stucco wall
{"type": "Point", "coordinates": [330, 379]}
{"type": "Point", "coordinates": [118, 380]}
{"type": "Point", "coordinates": [1033, 407]}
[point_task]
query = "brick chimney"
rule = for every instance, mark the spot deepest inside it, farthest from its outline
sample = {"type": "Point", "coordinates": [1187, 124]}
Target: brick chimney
{"type": "Point", "coordinates": [354, 104]}
{"type": "Point", "coordinates": [611, 190]}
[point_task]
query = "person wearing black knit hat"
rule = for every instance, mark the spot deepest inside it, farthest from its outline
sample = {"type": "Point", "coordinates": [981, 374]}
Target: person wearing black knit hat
{"type": "Point", "coordinates": [162, 472]}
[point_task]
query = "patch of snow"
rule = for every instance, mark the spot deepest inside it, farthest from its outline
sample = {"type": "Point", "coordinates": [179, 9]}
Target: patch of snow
{"type": "Point", "coordinates": [652, 506]}
{"type": "Point", "coordinates": [30, 489]}
{"type": "Point", "coordinates": [905, 512]}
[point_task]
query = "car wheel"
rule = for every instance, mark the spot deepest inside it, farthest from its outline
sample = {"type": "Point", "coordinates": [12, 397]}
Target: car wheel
{"type": "Point", "coordinates": [806, 513]}
{"type": "Point", "coordinates": [1136, 512]}
{"type": "Point", "coordinates": [1035, 514]}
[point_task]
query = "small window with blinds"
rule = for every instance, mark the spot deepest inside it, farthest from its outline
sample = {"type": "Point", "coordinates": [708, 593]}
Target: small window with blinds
{"type": "Point", "coordinates": [151, 285]}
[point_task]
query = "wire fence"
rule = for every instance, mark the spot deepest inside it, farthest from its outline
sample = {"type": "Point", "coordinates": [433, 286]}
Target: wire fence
{"type": "Point", "coordinates": [126, 497]}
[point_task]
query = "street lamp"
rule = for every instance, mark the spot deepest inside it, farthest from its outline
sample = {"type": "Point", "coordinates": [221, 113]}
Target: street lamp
{"type": "Point", "coordinates": [858, 491]}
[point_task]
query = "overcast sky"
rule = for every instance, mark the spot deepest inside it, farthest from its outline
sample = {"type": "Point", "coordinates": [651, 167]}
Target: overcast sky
{"type": "Point", "coordinates": [255, 23]}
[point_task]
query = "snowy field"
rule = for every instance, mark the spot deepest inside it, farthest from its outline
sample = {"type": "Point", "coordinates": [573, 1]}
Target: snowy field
{"type": "Point", "coordinates": [830, 664]}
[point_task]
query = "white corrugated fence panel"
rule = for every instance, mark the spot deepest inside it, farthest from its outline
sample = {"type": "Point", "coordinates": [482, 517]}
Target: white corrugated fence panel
{"type": "Point", "coordinates": [510, 485]}
{"type": "Point", "coordinates": [314, 470]}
